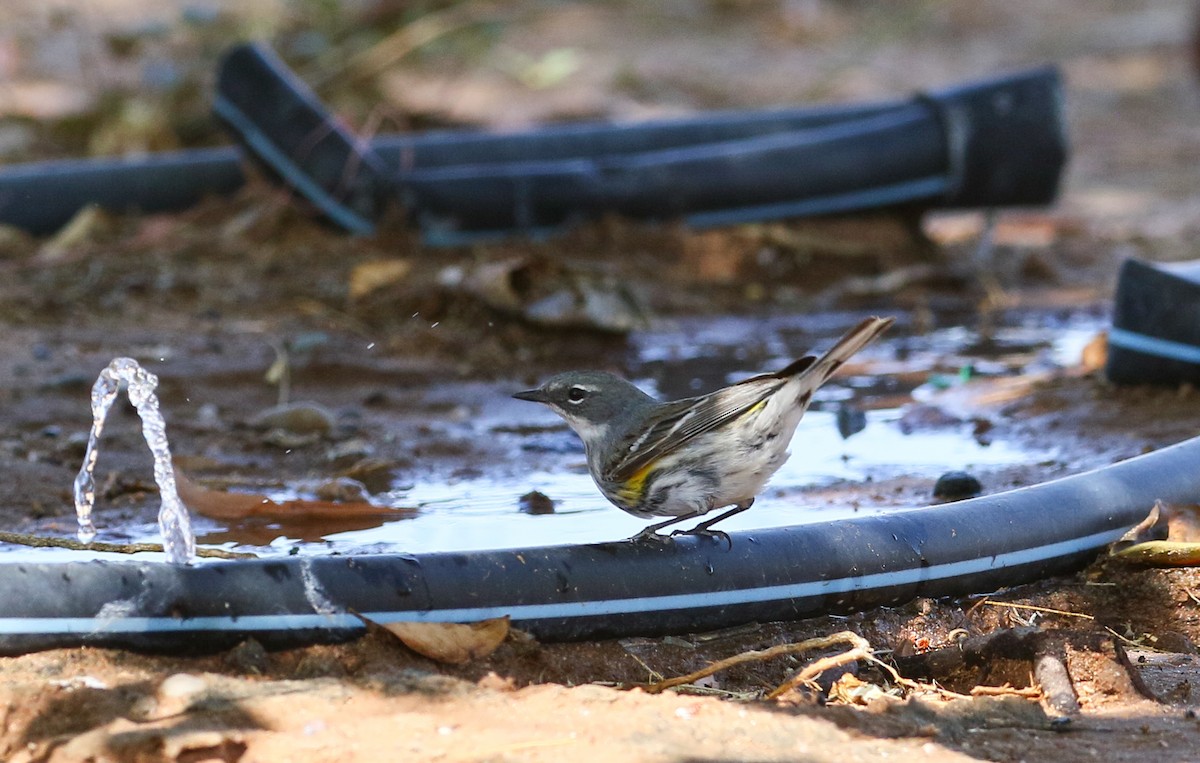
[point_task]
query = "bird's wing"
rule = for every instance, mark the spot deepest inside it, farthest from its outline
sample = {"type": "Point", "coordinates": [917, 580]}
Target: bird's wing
{"type": "Point", "coordinates": [676, 423]}
{"type": "Point", "coordinates": [679, 421]}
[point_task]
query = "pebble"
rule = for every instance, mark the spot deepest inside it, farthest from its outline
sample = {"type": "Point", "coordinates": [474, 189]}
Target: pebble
{"type": "Point", "coordinates": [248, 657]}
{"type": "Point", "coordinates": [173, 697]}
{"type": "Point", "coordinates": [850, 420]}
{"type": "Point", "coordinates": [535, 502]}
{"type": "Point", "coordinates": [181, 686]}
{"type": "Point", "coordinates": [376, 474]}
{"type": "Point", "coordinates": [954, 486]}
{"type": "Point", "coordinates": [342, 490]}
{"type": "Point", "coordinates": [208, 415]}
{"type": "Point", "coordinates": [296, 418]}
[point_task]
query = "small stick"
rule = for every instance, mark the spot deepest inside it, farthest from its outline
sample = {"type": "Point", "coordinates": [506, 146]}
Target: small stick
{"type": "Point", "coordinates": [818, 667]}
{"type": "Point", "coordinates": [1038, 609]}
{"type": "Point", "coordinates": [1030, 692]}
{"type": "Point", "coordinates": [1132, 642]}
{"type": "Point", "coordinates": [39, 541]}
{"type": "Point", "coordinates": [654, 674]}
{"type": "Point", "coordinates": [1052, 676]}
{"type": "Point", "coordinates": [759, 655]}
{"type": "Point", "coordinates": [1010, 643]}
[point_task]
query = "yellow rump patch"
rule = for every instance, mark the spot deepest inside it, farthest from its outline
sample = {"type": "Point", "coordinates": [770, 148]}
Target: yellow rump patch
{"type": "Point", "coordinates": [757, 407]}
{"type": "Point", "coordinates": [634, 488]}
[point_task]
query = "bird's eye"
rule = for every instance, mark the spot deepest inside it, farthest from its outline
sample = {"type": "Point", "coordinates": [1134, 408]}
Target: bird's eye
{"type": "Point", "coordinates": [576, 394]}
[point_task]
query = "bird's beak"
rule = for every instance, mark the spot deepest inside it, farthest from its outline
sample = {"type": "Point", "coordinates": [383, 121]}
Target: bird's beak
{"type": "Point", "coordinates": [532, 395]}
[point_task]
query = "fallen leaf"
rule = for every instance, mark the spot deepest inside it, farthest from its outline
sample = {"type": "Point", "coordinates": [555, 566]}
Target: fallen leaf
{"type": "Point", "coordinates": [1153, 527]}
{"type": "Point", "coordinates": [453, 643]}
{"type": "Point", "coordinates": [88, 225]}
{"type": "Point", "coordinates": [1026, 231]}
{"type": "Point", "coordinates": [550, 294]}
{"type": "Point", "coordinates": [218, 504]}
{"type": "Point", "coordinates": [44, 99]}
{"type": "Point", "coordinates": [376, 274]}
{"type": "Point", "coordinates": [1095, 353]}
{"type": "Point", "coordinates": [1161, 553]}
{"type": "Point", "coordinates": [851, 690]}
{"type": "Point", "coordinates": [966, 400]}
{"type": "Point", "coordinates": [1016, 230]}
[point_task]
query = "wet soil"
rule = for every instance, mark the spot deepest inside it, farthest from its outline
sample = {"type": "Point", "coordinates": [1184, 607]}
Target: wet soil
{"type": "Point", "coordinates": [415, 375]}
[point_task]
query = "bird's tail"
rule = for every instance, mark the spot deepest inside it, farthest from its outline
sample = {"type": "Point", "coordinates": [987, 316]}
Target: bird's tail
{"type": "Point", "coordinates": [820, 369]}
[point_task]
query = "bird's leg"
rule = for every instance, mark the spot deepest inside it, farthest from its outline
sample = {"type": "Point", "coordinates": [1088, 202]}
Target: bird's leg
{"type": "Point", "coordinates": [704, 527]}
{"type": "Point", "coordinates": [651, 533]}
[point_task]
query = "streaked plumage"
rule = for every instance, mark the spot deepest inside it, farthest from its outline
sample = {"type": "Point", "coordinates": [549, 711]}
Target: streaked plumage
{"type": "Point", "coordinates": [685, 458]}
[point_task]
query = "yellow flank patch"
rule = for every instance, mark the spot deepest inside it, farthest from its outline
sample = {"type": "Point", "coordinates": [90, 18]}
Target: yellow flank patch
{"type": "Point", "coordinates": [633, 488]}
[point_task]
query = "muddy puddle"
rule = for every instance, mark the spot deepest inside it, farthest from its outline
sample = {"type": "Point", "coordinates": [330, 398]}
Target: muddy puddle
{"type": "Point", "coordinates": [857, 437]}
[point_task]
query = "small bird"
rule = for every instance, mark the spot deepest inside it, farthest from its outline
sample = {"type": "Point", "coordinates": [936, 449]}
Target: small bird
{"type": "Point", "coordinates": [683, 459]}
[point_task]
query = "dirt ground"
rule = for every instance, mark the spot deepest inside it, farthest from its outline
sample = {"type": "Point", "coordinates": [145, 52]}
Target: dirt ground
{"type": "Point", "coordinates": [415, 372]}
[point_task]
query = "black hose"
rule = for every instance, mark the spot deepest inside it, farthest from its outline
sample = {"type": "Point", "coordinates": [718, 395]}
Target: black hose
{"type": "Point", "coordinates": [41, 197]}
{"type": "Point", "coordinates": [999, 142]}
{"type": "Point", "coordinates": [601, 590]}
{"type": "Point", "coordinates": [991, 143]}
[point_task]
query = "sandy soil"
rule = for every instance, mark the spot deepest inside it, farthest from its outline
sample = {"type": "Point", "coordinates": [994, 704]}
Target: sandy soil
{"type": "Point", "coordinates": [211, 297]}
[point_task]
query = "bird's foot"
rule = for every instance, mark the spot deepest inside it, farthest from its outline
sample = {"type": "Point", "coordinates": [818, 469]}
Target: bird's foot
{"type": "Point", "coordinates": [650, 537]}
{"type": "Point", "coordinates": [705, 527]}
{"type": "Point", "coordinates": [707, 532]}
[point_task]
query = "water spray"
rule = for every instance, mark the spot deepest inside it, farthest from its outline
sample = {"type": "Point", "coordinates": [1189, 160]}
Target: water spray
{"type": "Point", "coordinates": [173, 521]}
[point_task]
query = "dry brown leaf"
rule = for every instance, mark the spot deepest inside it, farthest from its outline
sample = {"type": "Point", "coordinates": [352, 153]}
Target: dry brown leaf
{"type": "Point", "coordinates": [453, 643]}
{"type": "Point", "coordinates": [851, 690]}
{"type": "Point", "coordinates": [44, 99]}
{"type": "Point", "coordinates": [218, 504]}
{"type": "Point", "coordinates": [89, 224]}
{"type": "Point", "coordinates": [1027, 231]}
{"type": "Point", "coordinates": [376, 274]}
{"type": "Point", "coordinates": [1095, 353]}
{"type": "Point", "coordinates": [1017, 230]}
{"type": "Point", "coordinates": [1154, 527]}
{"type": "Point", "coordinates": [966, 400]}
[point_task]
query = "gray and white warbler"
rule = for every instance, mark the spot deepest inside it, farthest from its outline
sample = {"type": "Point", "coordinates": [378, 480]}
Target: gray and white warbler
{"type": "Point", "coordinates": [683, 459]}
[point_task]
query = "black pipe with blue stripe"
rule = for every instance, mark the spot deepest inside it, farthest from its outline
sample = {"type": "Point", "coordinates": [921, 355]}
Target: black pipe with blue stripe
{"type": "Point", "coordinates": [600, 590]}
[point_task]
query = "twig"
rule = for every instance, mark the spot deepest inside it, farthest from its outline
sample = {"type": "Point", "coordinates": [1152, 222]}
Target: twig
{"type": "Point", "coordinates": [914, 687]}
{"type": "Point", "coordinates": [1007, 643]}
{"type": "Point", "coordinates": [1136, 677]}
{"type": "Point", "coordinates": [38, 541]}
{"type": "Point", "coordinates": [712, 691]}
{"type": "Point", "coordinates": [760, 655]}
{"type": "Point", "coordinates": [1033, 608]}
{"type": "Point", "coordinates": [280, 372]}
{"type": "Point", "coordinates": [1029, 692]}
{"type": "Point", "coordinates": [1132, 642]}
{"type": "Point", "coordinates": [654, 674]}
{"type": "Point", "coordinates": [818, 667]}
{"type": "Point", "coordinates": [1052, 676]}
